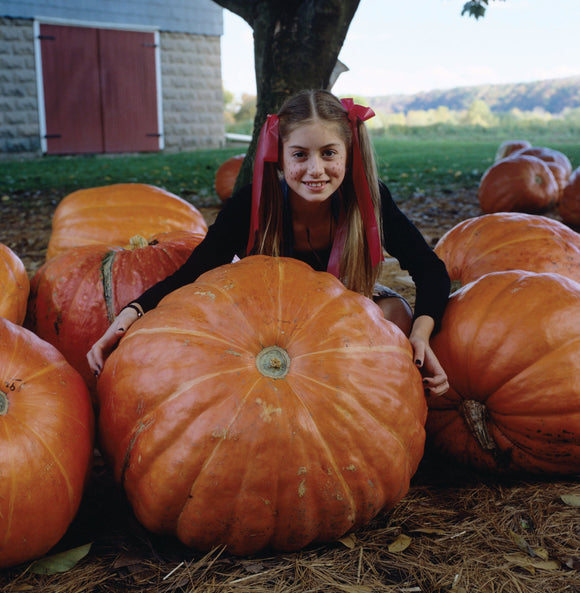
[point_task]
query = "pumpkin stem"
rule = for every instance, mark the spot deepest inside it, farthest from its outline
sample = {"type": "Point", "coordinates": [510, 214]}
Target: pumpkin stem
{"type": "Point", "coordinates": [476, 416]}
{"type": "Point", "coordinates": [3, 404]}
{"type": "Point", "coordinates": [274, 362]}
{"type": "Point", "coordinates": [137, 241]}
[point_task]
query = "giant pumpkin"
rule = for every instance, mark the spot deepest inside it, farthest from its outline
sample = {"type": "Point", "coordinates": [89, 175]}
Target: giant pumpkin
{"type": "Point", "coordinates": [519, 183]}
{"type": "Point", "coordinates": [510, 344]}
{"type": "Point", "coordinates": [509, 241]}
{"type": "Point", "coordinates": [112, 214]}
{"type": "Point", "coordinates": [14, 286]}
{"type": "Point", "coordinates": [75, 296]}
{"type": "Point", "coordinates": [569, 204]}
{"type": "Point", "coordinates": [264, 405]}
{"type": "Point", "coordinates": [46, 444]}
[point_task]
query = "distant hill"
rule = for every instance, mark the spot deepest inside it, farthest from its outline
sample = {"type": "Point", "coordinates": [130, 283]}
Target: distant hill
{"type": "Point", "coordinates": [552, 96]}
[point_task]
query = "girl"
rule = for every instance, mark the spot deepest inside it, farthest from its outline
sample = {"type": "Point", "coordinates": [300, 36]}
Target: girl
{"type": "Point", "coordinates": [316, 197]}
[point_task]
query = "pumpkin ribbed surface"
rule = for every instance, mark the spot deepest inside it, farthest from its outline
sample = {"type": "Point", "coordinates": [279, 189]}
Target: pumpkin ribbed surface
{"type": "Point", "coordinates": [263, 405]}
{"type": "Point", "coordinates": [14, 286]}
{"type": "Point", "coordinates": [569, 204]}
{"type": "Point", "coordinates": [112, 214]}
{"type": "Point", "coordinates": [510, 344]}
{"type": "Point", "coordinates": [75, 297]}
{"type": "Point", "coordinates": [46, 444]}
{"type": "Point", "coordinates": [509, 241]}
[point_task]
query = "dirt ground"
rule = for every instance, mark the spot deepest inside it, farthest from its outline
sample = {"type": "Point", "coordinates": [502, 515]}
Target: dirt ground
{"type": "Point", "coordinates": [455, 531]}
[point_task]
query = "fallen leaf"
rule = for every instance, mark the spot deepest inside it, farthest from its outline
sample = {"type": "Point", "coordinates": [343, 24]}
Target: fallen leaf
{"type": "Point", "coordinates": [348, 540]}
{"type": "Point", "coordinates": [60, 562]}
{"type": "Point", "coordinates": [532, 563]}
{"type": "Point", "coordinates": [400, 544]}
{"type": "Point", "coordinates": [572, 500]}
{"type": "Point", "coordinates": [430, 531]}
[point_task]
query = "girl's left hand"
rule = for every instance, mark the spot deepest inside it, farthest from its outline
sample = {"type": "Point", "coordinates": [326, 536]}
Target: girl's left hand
{"type": "Point", "coordinates": [434, 377]}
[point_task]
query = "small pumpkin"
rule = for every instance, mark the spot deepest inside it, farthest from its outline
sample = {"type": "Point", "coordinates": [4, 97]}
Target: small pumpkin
{"type": "Point", "coordinates": [508, 147]}
{"type": "Point", "coordinates": [509, 241]}
{"type": "Point", "coordinates": [112, 214]}
{"type": "Point", "coordinates": [46, 444]}
{"type": "Point", "coordinates": [14, 286]}
{"type": "Point", "coordinates": [226, 175]}
{"type": "Point", "coordinates": [75, 296]}
{"type": "Point", "coordinates": [510, 344]}
{"type": "Point", "coordinates": [264, 405]}
{"type": "Point", "coordinates": [548, 155]}
{"type": "Point", "coordinates": [569, 204]}
{"type": "Point", "coordinates": [519, 183]}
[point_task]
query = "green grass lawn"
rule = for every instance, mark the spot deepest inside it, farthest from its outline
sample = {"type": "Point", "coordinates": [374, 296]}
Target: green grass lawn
{"type": "Point", "coordinates": [409, 164]}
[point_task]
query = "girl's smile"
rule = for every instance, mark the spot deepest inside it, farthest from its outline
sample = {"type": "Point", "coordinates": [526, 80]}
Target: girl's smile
{"type": "Point", "coordinates": [314, 160]}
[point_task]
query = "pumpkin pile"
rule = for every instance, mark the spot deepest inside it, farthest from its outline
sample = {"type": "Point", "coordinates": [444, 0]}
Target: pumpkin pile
{"type": "Point", "coordinates": [529, 179]}
{"type": "Point", "coordinates": [240, 410]}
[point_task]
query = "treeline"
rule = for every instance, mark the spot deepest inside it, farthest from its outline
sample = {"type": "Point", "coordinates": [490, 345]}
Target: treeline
{"type": "Point", "coordinates": [551, 96]}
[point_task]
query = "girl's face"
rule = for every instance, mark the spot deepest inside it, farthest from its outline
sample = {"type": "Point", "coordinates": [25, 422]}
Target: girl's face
{"type": "Point", "coordinates": [314, 161]}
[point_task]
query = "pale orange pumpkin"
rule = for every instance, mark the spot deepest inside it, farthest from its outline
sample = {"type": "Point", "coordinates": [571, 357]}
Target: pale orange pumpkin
{"type": "Point", "coordinates": [112, 214]}
{"type": "Point", "coordinates": [14, 286]}
{"type": "Point", "coordinates": [547, 155]}
{"type": "Point", "coordinates": [264, 405]}
{"type": "Point", "coordinates": [569, 204]}
{"type": "Point", "coordinates": [509, 241]}
{"type": "Point", "coordinates": [519, 183]}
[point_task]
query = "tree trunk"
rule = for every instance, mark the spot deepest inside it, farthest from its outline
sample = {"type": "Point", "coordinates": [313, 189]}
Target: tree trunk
{"type": "Point", "coordinates": [296, 47]}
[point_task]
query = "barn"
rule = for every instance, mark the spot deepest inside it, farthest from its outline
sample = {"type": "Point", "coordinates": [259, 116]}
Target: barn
{"type": "Point", "coordinates": [114, 76]}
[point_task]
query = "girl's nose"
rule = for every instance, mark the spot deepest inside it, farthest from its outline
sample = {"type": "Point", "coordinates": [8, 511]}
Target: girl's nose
{"type": "Point", "coordinates": [315, 166]}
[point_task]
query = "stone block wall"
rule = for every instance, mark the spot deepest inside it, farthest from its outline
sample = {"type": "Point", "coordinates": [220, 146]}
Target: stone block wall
{"type": "Point", "coordinates": [190, 80]}
{"type": "Point", "coordinates": [19, 123]}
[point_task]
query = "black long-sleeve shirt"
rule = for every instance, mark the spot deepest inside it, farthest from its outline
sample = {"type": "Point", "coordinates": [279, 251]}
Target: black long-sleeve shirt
{"type": "Point", "coordinates": [228, 236]}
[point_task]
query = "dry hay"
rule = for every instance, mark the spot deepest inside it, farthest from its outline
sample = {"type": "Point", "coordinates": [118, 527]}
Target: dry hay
{"type": "Point", "coordinates": [455, 531]}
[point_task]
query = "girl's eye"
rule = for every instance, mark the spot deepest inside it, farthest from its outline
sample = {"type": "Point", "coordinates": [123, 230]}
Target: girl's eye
{"type": "Point", "coordinates": [329, 153]}
{"type": "Point", "coordinates": [299, 154]}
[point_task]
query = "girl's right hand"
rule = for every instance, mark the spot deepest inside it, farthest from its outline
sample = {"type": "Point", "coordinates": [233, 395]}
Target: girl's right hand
{"type": "Point", "coordinates": [104, 346]}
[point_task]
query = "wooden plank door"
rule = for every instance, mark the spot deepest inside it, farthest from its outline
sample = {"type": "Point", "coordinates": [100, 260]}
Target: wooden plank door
{"type": "Point", "coordinates": [128, 90]}
{"type": "Point", "coordinates": [71, 88]}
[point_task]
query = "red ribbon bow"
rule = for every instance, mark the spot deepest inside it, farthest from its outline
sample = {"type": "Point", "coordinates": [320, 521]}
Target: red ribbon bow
{"type": "Point", "coordinates": [266, 151]}
{"type": "Point", "coordinates": [361, 185]}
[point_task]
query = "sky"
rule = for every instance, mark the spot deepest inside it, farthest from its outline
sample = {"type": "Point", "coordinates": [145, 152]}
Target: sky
{"type": "Point", "coordinates": [409, 46]}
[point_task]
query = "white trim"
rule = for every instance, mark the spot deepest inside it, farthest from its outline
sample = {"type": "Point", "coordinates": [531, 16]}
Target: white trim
{"type": "Point", "coordinates": [49, 20]}
{"type": "Point", "coordinates": [39, 86]}
{"type": "Point", "coordinates": [93, 24]}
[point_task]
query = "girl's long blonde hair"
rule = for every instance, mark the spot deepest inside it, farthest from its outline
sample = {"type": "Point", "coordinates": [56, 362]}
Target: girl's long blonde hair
{"type": "Point", "coordinates": [356, 270]}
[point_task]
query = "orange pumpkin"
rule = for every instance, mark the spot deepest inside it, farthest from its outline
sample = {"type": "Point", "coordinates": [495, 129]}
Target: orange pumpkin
{"type": "Point", "coordinates": [508, 147]}
{"type": "Point", "coordinates": [14, 286]}
{"type": "Point", "coordinates": [262, 405]}
{"type": "Point", "coordinates": [548, 155]}
{"type": "Point", "coordinates": [75, 296]}
{"type": "Point", "coordinates": [226, 175]}
{"type": "Point", "coordinates": [46, 444]}
{"type": "Point", "coordinates": [518, 183]}
{"type": "Point", "coordinates": [112, 214]}
{"type": "Point", "coordinates": [509, 241]}
{"type": "Point", "coordinates": [569, 204]}
{"type": "Point", "coordinates": [510, 344]}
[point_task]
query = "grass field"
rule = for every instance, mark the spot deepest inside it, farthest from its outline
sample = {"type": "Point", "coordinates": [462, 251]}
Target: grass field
{"type": "Point", "coordinates": [411, 163]}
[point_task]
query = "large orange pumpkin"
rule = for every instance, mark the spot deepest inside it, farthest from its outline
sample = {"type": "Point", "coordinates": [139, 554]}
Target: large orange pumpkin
{"type": "Point", "coordinates": [14, 286]}
{"type": "Point", "coordinates": [509, 241]}
{"type": "Point", "coordinates": [112, 214]}
{"type": "Point", "coordinates": [226, 175]}
{"type": "Point", "coordinates": [262, 405]}
{"type": "Point", "coordinates": [74, 297]}
{"type": "Point", "coordinates": [46, 444]}
{"type": "Point", "coordinates": [519, 183]}
{"type": "Point", "coordinates": [510, 344]}
{"type": "Point", "coordinates": [569, 204]}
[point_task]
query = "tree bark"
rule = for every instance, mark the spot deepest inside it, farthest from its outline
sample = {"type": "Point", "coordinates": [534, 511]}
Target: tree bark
{"type": "Point", "coordinates": [296, 47]}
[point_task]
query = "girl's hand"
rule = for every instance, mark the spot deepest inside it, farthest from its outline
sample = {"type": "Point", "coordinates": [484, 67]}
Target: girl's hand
{"type": "Point", "coordinates": [103, 346]}
{"type": "Point", "coordinates": [434, 377]}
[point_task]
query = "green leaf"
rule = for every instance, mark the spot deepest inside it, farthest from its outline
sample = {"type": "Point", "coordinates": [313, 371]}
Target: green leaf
{"type": "Point", "coordinates": [60, 562]}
